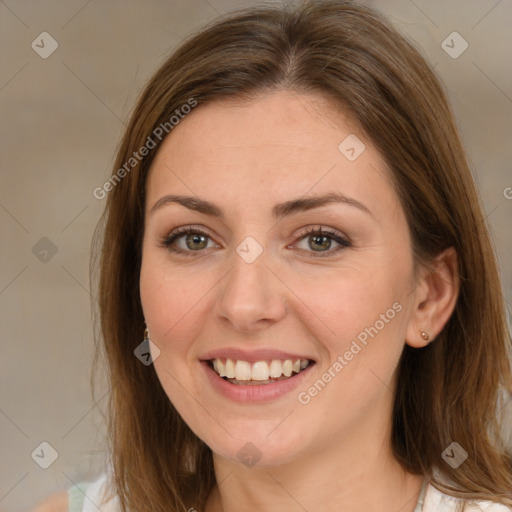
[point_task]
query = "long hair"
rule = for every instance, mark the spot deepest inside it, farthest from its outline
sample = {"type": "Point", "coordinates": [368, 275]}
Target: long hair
{"type": "Point", "coordinates": [446, 392]}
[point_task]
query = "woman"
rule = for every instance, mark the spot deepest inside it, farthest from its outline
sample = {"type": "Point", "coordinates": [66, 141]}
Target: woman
{"type": "Point", "coordinates": [299, 300]}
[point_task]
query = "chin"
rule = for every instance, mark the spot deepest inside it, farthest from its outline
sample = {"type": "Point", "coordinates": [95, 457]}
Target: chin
{"type": "Point", "coordinates": [259, 450]}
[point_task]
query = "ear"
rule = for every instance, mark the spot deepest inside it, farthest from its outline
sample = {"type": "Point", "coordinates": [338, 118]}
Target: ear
{"type": "Point", "coordinates": [435, 299]}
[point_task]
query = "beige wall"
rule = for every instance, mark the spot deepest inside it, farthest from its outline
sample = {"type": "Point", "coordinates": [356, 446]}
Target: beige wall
{"type": "Point", "coordinates": [61, 118]}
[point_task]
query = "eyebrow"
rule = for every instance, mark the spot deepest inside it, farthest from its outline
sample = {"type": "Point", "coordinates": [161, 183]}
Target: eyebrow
{"type": "Point", "coordinates": [280, 210]}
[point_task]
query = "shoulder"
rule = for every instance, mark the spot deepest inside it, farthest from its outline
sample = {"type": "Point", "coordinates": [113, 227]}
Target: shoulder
{"type": "Point", "coordinates": [57, 502]}
{"type": "Point", "coordinates": [437, 501]}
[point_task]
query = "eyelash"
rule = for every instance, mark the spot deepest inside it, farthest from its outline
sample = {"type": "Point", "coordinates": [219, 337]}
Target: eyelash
{"type": "Point", "coordinates": [169, 240]}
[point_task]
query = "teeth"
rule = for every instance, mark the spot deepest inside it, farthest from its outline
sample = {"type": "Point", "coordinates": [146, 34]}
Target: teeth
{"type": "Point", "coordinates": [230, 369]}
{"type": "Point", "coordinates": [276, 368]}
{"type": "Point", "coordinates": [221, 369]}
{"type": "Point", "coordinates": [287, 368]}
{"type": "Point", "coordinates": [260, 370]}
{"type": "Point", "coordinates": [243, 370]}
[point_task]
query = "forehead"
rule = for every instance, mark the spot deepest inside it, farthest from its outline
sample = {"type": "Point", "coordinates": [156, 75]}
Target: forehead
{"type": "Point", "coordinates": [269, 149]}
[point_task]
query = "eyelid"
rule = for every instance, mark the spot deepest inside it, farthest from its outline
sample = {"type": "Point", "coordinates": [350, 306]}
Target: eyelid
{"type": "Point", "coordinates": [318, 228]}
{"type": "Point", "coordinates": [342, 240]}
{"type": "Point", "coordinates": [180, 231]}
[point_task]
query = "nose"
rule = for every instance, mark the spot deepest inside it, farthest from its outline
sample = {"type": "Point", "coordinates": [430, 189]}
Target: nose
{"type": "Point", "coordinates": [251, 296]}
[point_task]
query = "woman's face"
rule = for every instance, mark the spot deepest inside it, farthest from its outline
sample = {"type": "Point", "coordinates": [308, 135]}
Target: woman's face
{"type": "Point", "coordinates": [262, 286]}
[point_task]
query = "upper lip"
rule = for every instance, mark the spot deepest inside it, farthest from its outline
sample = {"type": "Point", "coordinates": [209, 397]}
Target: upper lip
{"type": "Point", "coordinates": [261, 354]}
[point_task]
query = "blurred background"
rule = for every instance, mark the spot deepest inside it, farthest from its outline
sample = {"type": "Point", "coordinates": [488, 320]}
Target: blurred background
{"type": "Point", "coordinates": [69, 75]}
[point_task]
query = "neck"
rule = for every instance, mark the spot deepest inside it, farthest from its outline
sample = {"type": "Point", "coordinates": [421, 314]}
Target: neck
{"type": "Point", "coordinates": [358, 475]}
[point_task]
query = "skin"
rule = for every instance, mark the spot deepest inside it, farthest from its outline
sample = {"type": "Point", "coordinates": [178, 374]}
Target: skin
{"type": "Point", "coordinates": [246, 157]}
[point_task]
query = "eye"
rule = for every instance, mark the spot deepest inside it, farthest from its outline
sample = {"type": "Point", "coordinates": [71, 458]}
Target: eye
{"type": "Point", "coordinates": [319, 239]}
{"type": "Point", "coordinates": [194, 238]}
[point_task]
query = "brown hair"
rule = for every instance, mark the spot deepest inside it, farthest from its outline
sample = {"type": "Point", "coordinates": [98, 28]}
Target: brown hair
{"type": "Point", "coordinates": [447, 391]}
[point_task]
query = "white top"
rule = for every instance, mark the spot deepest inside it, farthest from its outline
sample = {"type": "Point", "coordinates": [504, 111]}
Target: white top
{"type": "Point", "coordinates": [436, 501]}
{"type": "Point", "coordinates": [94, 499]}
{"type": "Point", "coordinates": [431, 500]}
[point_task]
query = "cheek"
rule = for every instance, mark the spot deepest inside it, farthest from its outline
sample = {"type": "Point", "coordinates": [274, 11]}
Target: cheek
{"type": "Point", "coordinates": [366, 320]}
{"type": "Point", "coordinates": [342, 304]}
{"type": "Point", "coordinates": [171, 306]}
{"type": "Point", "coordinates": [360, 316]}
{"type": "Point", "coordinates": [165, 289]}
{"type": "Point", "coordinates": [176, 302]}
{"type": "Point", "coordinates": [174, 312]}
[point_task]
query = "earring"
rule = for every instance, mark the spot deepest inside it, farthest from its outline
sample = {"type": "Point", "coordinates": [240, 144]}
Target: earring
{"type": "Point", "coordinates": [146, 334]}
{"type": "Point", "coordinates": [424, 335]}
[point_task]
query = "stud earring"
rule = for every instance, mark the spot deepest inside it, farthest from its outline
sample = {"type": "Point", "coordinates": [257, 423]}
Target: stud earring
{"type": "Point", "coordinates": [424, 335]}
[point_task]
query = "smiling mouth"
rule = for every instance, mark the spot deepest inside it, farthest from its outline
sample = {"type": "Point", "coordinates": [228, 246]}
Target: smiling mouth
{"type": "Point", "coordinates": [245, 373]}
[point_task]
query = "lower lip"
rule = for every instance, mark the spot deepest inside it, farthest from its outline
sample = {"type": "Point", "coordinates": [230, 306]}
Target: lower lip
{"type": "Point", "coordinates": [254, 393]}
